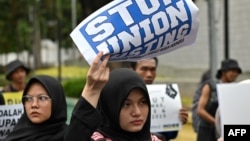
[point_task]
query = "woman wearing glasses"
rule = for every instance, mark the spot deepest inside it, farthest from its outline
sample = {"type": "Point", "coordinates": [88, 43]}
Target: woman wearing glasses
{"type": "Point", "coordinates": [45, 111]}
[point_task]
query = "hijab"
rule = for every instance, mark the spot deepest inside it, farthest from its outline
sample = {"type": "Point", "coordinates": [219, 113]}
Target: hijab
{"type": "Point", "coordinates": [121, 82]}
{"type": "Point", "coordinates": [50, 130]}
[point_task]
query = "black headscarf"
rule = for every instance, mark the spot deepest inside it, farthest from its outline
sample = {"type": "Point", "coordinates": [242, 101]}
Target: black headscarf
{"type": "Point", "coordinates": [50, 130]}
{"type": "Point", "coordinates": [120, 84]}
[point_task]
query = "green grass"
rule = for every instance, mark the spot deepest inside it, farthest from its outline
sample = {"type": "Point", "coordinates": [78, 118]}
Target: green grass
{"type": "Point", "coordinates": [3, 80]}
{"type": "Point", "coordinates": [66, 72]}
{"type": "Point", "coordinates": [186, 101]}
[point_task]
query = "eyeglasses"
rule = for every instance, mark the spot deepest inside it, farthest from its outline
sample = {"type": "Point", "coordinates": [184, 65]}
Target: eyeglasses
{"type": "Point", "coordinates": [42, 99]}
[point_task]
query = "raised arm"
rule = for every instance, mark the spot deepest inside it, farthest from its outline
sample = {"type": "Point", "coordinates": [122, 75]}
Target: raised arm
{"type": "Point", "coordinates": [85, 118]}
{"type": "Point", "coordinates": [97, 77]}
{"type": "Point", "coordinates": [201, 109]}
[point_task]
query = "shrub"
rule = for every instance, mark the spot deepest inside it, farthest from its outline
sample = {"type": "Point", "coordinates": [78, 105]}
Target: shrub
{"type": "Point", "coordinates": [73, 87]}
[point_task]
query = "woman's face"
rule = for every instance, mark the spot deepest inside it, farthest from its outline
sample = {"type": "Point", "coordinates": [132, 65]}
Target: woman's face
{"type": "Point", "coordinates": [134, 111]}
{"type": "Point", "coordinates": [37, 104]}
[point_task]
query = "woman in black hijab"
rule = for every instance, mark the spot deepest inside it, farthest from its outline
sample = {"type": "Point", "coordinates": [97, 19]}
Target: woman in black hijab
{"type": "Point", "coordinates": [113, 107]}
{"type": "Point", "coordinates": [38, 123]}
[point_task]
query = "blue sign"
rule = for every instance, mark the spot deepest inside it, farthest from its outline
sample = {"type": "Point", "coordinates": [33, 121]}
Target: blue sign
{"type": "Point", "coordinates": [134, 29]}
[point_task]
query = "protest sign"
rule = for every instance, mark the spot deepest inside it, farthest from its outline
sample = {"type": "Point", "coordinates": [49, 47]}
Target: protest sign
{"type": "Point", "coordinates": [234, 105]}
{"type": "Point", "coordinates": [131, 30]}
{"type": "Point", "coordinates": [9, 116]}
{"type": "Point", "coordinates": [165, 106]}
{"type": "Point", "coordinates": [12, 98]}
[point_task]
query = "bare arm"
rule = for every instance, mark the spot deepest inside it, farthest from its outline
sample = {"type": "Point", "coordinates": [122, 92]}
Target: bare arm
{"type": "Point", "coordinates": [98, 75]}
{"type": "Point", "coordinates": [85, 118]}
{"type": "Point", "coordinates": [202, 112]}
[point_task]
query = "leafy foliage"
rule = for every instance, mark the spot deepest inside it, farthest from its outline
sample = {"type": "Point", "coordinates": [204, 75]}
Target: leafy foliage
{"type": "Point", "coordinates": [17, 23]}
{"type": "Point", "coordinates": [23, 23]}
{"type": "Point", "coordinates": [13, 25]}
{"type": "Point", "coordinates": [73, 87]}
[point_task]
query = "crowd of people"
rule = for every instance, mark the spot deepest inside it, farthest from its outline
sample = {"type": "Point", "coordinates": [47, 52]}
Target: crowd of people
{"type": "Point", "coordinates": [114, 105]}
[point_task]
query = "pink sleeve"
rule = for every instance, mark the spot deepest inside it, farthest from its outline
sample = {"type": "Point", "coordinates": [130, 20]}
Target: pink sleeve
{"type": "Point", "coordinates": [154, 138]}
{"type": "Point", "coordinates": [96, 136]}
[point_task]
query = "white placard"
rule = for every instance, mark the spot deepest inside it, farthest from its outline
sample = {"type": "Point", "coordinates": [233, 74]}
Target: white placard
{"type": "Point", "coordinates": [165, 107]}
{"type": "Point", "coordinates": [131, 30]}
{"type": "Point", "coordinates": [234, 104]}
{"type": "Point", "coordinates": [9, 116]}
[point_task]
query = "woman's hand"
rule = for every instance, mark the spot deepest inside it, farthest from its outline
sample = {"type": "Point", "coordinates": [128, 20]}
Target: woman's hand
{"type": "Point", "coordinates": [97, 77]}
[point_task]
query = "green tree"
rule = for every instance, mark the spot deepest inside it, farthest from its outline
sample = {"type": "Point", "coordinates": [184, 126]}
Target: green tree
{"type": "Point", "coordinates": [14, 25]}
{"type": "Point", "coordinates": [23, 23]}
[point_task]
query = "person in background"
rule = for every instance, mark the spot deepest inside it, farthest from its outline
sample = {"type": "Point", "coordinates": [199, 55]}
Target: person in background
{"type": "Point", "coordinates": [205, 76]}
{"type": "Point", "coordinates": [16, 73]}
{"type": "Point", "coordinates": [114, 106]}
{"type": "Point", "coordinates": [147, 70]}
{"type": "Point", "coordinates": [45, 111]}
{"type": "Point", "coordinates": [206, 109]}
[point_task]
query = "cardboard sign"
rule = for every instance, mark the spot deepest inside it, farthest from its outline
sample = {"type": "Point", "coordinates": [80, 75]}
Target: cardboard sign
{"type": "Point", "coordinates": [131, 30]}
{"type": "Point", "coordinates": [11, 98]}
{"type": "Point", "coordinates": [234, 104]}
{"type": "Point", "coordinates": [9, 116]}
{"type": "Point", "coordinates": [165, 107]}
